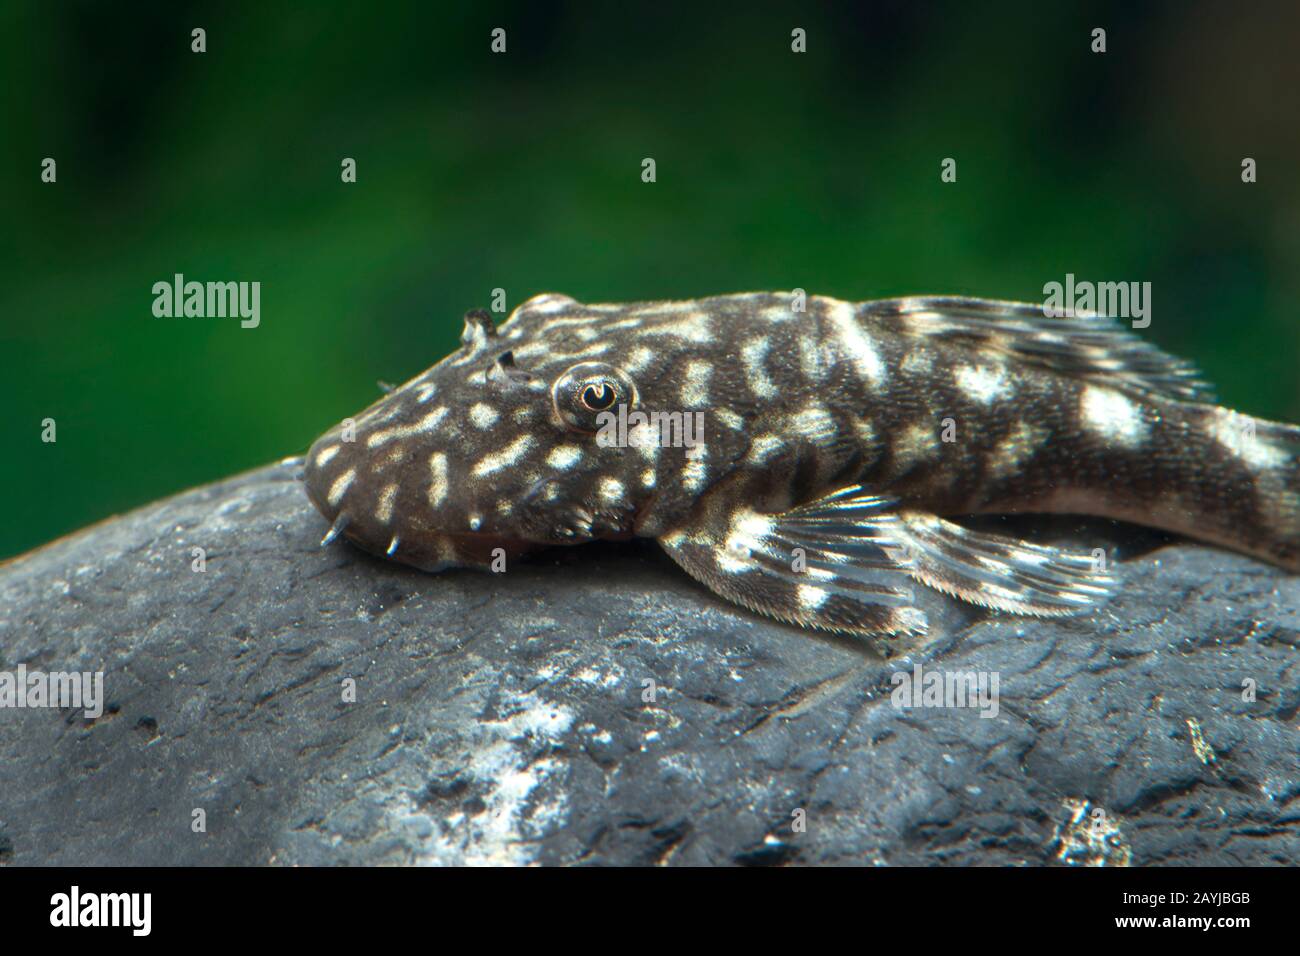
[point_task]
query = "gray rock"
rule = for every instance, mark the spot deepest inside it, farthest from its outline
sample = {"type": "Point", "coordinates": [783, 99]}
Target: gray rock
{"type": "Point", "coordinates": [501, 719]}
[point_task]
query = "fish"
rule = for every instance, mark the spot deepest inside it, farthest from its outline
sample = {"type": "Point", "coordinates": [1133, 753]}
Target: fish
{"type": "Point", "coordinates": [835, 450]}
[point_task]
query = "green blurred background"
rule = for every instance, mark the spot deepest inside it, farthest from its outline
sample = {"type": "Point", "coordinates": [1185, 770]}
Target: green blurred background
{"type": "Point", "coordinates": [522, 171]}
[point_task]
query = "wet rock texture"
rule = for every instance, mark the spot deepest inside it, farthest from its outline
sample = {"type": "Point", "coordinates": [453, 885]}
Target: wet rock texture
{"type": "Point", "coordinates": [510, 719]}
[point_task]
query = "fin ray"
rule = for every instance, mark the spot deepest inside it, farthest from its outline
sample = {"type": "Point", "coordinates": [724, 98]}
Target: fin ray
{"type": "Point", "coordinates": [851, 578]}
{"type": "Point", "coordinates": [860, 554]}
{"type": "Point", "coordinates": [1003, 573]}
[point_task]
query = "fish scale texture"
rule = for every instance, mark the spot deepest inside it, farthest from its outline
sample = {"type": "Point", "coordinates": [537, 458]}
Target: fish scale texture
{"type": "Point", "coordinates": [508, 719]}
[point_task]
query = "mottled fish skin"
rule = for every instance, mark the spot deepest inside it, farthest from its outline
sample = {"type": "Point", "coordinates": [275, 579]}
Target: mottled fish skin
{"type": "Point", "coordinates": [838, 438]}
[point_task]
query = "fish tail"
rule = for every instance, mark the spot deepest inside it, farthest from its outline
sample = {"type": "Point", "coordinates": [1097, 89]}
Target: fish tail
{"type": "Point", "coordinates": [1199, 470]}
{"type": "Point", "coordinates": [1242, 484]}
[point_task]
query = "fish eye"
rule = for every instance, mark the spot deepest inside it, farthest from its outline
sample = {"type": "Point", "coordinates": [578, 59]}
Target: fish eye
{"type": "Point", "coordinates": [587, 389]}
{"type": "Point", "coordinates": [598, 401]}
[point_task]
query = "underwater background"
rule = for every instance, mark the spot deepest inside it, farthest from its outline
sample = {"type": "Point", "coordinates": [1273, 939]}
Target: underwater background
{"type": "Point", "coordinates": [522, 171]}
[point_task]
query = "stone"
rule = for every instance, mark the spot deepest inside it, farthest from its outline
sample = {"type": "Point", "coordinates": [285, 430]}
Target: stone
{"type": "Point", "coordinates": [595, 705]}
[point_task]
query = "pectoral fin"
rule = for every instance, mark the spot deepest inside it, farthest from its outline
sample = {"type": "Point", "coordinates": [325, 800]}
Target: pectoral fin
{"type": "Point", "coordinates": [846, 562]}
{"type": "Point", "coordinates": [836, 564]}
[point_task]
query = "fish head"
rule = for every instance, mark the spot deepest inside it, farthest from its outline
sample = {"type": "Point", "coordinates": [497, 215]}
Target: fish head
{"type": "Point", "coordinates": [509, 444]}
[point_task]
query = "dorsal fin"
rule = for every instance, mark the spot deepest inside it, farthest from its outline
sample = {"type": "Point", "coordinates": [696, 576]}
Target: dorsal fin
{"type": "Point", "coordinates": [1085, 345]}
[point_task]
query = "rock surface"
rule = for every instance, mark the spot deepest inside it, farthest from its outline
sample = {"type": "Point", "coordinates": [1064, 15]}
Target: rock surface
{"type": "Point", "coordinates": [504, 718]}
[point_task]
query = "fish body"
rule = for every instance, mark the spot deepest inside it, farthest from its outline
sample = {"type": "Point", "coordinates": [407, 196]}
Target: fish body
{"type": "Point", "coordinates": [804, 457]}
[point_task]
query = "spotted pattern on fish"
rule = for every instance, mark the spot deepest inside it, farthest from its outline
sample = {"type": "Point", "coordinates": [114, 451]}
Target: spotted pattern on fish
{"type": "Point", "coordinates": [839, 442]}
